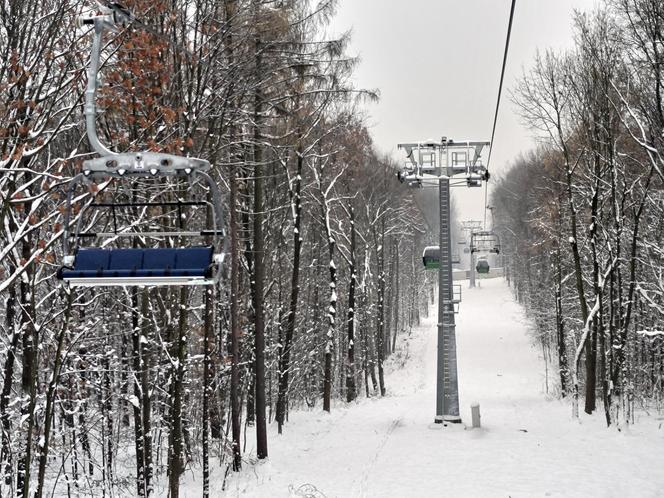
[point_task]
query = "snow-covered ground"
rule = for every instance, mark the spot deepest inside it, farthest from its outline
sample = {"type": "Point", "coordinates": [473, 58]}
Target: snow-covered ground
{"type": "Point", "coordinates": [528, 446]}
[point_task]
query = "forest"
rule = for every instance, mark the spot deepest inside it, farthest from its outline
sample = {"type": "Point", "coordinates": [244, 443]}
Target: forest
{"type": "Point", "coordinates": [580, 217]}
{"type": "Point", "coordinates": [119, 390]}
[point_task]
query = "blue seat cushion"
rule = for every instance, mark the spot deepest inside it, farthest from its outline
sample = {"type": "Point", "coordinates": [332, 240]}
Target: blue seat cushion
{"type": "Point", "coordinates": [91, 259]}
{"type": "Point", "coordinates": [125, 259]}
{"type": "Point", "coordinates": [153, 262]}
{"type": "Point", "coordinates": [193, 258]}
{"type": "Point", "coordinates": [158, 259]}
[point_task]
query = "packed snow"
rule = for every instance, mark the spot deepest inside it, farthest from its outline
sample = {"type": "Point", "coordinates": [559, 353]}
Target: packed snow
{"type": "Point", "coordinates": [529, 444]}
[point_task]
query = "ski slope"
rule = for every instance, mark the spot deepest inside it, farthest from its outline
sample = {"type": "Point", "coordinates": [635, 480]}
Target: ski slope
{"type": "Point", "coordinates": [528, 446]}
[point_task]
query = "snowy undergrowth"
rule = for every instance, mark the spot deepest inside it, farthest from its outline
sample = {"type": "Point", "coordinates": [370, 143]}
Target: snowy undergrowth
{"type": "Point", "coordinates": [529, 444]}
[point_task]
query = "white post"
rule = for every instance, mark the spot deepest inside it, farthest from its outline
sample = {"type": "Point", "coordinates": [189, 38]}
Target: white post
{"type": "Point", "coordinates": [475, 415]}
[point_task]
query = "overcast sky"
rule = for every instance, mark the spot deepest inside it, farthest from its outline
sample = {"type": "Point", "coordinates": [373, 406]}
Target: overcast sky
{"type": "Point", "coordinates": [437, 66]}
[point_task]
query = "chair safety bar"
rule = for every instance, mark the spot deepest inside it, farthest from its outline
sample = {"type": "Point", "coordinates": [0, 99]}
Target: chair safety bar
{"type": "Point", "coordinates": [147, 204]}
{"type": "Point", "coordinates": [101, 235]}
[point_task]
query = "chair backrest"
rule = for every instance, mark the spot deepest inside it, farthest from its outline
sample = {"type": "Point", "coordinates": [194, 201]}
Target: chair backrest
{"type": "Point", "coordinates": [193, 257]}
{"type": "Point", "coordinates": [126, 259]}
{"type": "Point", "coordinates": [92, 259]}
{"type": "Point", "coordinates": [115, 262]}
{"type": "Point", "coordinates": [155, 259]}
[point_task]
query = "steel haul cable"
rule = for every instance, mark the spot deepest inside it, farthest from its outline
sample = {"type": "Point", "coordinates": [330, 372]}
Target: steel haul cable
{"type": "Point", "coordinates": [500, 90]}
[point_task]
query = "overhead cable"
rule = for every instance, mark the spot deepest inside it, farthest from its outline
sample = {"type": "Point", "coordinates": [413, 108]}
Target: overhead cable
{"type": "Point", "coordinates": [500, 91]}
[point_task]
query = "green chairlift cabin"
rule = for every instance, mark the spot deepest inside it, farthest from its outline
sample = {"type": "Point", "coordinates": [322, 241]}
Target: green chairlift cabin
{"type": "Point", "coordinates": [431, 257]}
{"type": "Point", "coordinates": [482, 266]}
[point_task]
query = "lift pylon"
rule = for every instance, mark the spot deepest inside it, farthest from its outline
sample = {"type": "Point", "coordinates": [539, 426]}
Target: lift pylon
{"type": "Point", "coordinates": [447, 163]}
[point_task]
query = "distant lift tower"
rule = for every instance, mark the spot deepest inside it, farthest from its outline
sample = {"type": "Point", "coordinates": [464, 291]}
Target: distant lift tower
{"type": "Point", "coordinates": [448, 163]}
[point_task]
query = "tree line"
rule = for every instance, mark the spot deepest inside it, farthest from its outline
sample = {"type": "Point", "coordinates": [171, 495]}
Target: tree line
{"type": "Point", "coordinates": [580, 217]}
{"type": "Point", "coordinates": [120, 390]}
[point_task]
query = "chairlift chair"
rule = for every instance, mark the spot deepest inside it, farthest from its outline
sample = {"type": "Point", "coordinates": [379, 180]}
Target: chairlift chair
{"type": "Point", "coordinates": [456, 258]}
{"type": "Point", "coordinates": [484, 241]}
{"type": "Point", "coordinates": [154, 176]}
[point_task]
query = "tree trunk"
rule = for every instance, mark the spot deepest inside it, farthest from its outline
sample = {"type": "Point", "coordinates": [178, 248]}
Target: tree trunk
{"type": "Point", "coordinates": [50, 398]}
{"type": "Point", "coordinates": [259, 269]}
{"type": "Point", "coordinates": [331, 315]}
{"type": "Point", "coordinates": [137, 364]}
{"type": "Point", "coordinates": [591, 344]}
{"type": "Point", "coordinates": [235, 324]}
{"type": "Point", "coordinates": [29, 377]}
{"type": "Point", "coordinates": [8, 378]}
{"type": "Point", "coordinates": [146, 402]}
{"type": "Point", "coordinates": [563, 362]}
{"type": "Point", "coordinates": [397, 298]}
{"type": "Point", "coordinates": [175, 450]}
{"type": "Point", "coordinates": [563, 367]}
{"type": "Point", "coordinates": [285, 349]}
{"type": "Point", "coordinates": [207, 386]}
{"type": "Point", "coordinates": [380, 325]}
{"type": "Point", "coordinates": [351, 390]}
